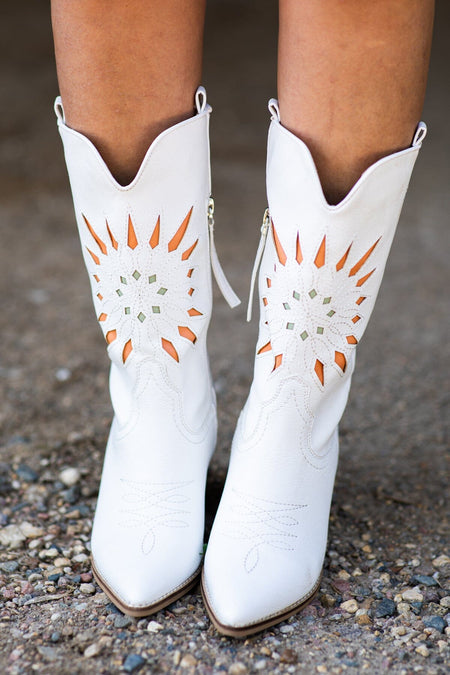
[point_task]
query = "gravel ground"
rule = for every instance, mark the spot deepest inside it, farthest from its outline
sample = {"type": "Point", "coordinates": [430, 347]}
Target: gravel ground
{"type": "Point", "coordinates": [384, 603]}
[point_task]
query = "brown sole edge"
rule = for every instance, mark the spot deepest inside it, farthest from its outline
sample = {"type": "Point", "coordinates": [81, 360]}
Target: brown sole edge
{"type": "Point", "coordinates": [149, 609]}
{"type": "Point", "coordinates": [246, 631]}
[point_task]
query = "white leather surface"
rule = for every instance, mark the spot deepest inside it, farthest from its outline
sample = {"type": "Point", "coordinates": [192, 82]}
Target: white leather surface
{"type": "Point", "coordinates": [268, 542]}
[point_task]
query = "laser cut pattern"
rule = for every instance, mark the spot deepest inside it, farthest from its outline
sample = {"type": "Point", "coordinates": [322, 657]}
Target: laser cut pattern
{"type": "Point", "coordinates": [144, 290]}
{"type": "Point", "coordinates": [314, 307]}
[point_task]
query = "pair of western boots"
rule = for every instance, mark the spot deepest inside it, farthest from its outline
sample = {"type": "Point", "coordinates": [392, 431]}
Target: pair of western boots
{"type": "Point", "coordinates": [148, 249]}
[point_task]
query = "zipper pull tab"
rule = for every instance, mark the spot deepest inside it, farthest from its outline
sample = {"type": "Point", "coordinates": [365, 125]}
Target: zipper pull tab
{"type": "Point", "coordinates": [219, 275]}
{"type": "Point", "coordinates": [259, 254]}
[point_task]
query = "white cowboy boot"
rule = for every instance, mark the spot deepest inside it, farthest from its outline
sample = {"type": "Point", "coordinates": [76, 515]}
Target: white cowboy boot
{"type": "Point", "coordinates": [147, 248]}
{"type": "Point", "coordinates": [321, 268]}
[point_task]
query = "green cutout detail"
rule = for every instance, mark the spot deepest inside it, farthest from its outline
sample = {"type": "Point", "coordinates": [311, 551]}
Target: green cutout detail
{"type": "Point", "coordinates": [296, 295]}
{"type": "Point", "coordinates": [152, 279]}
{"type": "Point", "coordinates": [162, 291]}
{"type": "Point", "coordinates": [123, 280]}
{"type": "Point", "coordinates": [320, 330]}
{"type": "Point", "coordinates": [326, 301]}
{"type": "Point", "coordinates": [136, 274]}
{"type": "Point", "coordinates": [156, 309]}
{"type": "Point", "coordinates": [127, 310]}
{"type": "Point", "coordinates": [286, 305]}
{"type": "Point", "coordinates": [312, 293]}
{"type": "Point", "coordinates": [119, 292]}
{"type": "Point", "coordinates": [304, 335]}
{"type": "Point", "coordinates": [141, 317]}
{"type": "Point", "coordinates": [331, 312]}
{"type": "Point", "coordinates": [290, 326]}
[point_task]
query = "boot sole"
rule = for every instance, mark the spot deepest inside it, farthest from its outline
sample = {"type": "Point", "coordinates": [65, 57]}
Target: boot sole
{"type": "Point", "coordinates": [251, 629]}
{"type": "Point", "coordinates": [148, 609]}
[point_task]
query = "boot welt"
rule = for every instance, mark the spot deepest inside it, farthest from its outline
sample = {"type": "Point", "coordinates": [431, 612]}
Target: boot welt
{"type": "Point", "coordinates": [147, 609]}
{"type": "Point", "coordinates": [251, 629]}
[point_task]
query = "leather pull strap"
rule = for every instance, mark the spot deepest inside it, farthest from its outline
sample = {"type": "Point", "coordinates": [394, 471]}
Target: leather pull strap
{"type": "Point", "coordinates": [259, 254]}
{"type": "Point", "coordinates": [219, 275]}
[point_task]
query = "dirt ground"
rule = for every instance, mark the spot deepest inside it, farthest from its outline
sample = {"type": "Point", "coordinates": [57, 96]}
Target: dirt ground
{"type": "Point", "coordinates": [389, 531]}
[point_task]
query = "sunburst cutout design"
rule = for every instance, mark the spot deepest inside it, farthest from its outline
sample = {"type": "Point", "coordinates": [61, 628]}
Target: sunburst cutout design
{"type": "Point", "coordinates": [310, 304]}
{"type": "Point", "coordinates": [145, 288]}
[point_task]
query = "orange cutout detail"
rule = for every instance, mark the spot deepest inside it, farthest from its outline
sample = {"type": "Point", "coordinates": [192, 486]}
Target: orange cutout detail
{"type": "Point", "coordinates": [360, 300]}
{"type": "Point", "coordinates": [95, 258]}
{"type": "Point", "coordinates": [265, 348]}
{"type": "Point", "coordinates": [96, 278]}
{"type": "Point", "coordinates": [179, 234]}
{"type": "Point", "coordinates": [154, 239]}
{"type": "Point", "coordinates": [319, 260]}
{"type": "Point", "coordinates": [364, 279]}
{"type": "Point", "coordinates": [170, 349]}
{"type": "Point", "coordinates": [265, 302]}
{"type": "Point", "coordinates": [269, 282]}
{"type": "Point", "coordinates": [194, 312]}
{"type": "Point", "coordinates": [318, 369]}
{"type": "Point", "coordinates": [132, 239]}
{"type": "Point", "coordinates": [279, 249]}
{"type": "Point", "coordinates": [190, 272]}
{"type": "Point", "coordinates": [188, 252]}
{"type": "Point", "coordinates": [361, 262]}
{"type": "Point", "coordinates": [111, 335]}
{"type": "Point", "coordinates": [186, 332]}
{"type": "Point", "coordinates": [343, 260]}
{"type": "Point", "coordinates": [190, 291]}
{"type": "Point", "coordinates": [278, 360]}
{"type": "Point", "coordinates": [127, 350]}
{"type": "Point", "coordinates": [356, 319]}
{"type": "Point", "coordinates": [99, 296]}
{"type": "Point", "coordinates": [298, 254]}
{"type": "Point", "coordinates": [101, 245]}
{"type": "Point", "coordinates": [340, 360]}
{"type": "Point", "coordinates": [352, 340]}
{"type": "Point", "coordinates": [113, 241]}
{"type": "Point", "coordinates": [103, 317]}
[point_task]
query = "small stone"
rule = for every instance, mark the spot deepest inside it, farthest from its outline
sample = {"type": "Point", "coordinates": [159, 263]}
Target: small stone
{"type": "Point", "coordinates": [350, 606]}
{"type": "Point", "coordinates": [176, 658]}
{"type": "Point", "coordinates": [436, 622]}
{"type": "Point", "coordinates": [122, 621]}
{"type": "Point", "coordinates": [154, 627]}
{"type": "Point", "coordinates": [445, 601]}
{"type": "Point", "coordinates": [93, 650]}
{"type": "Point", "coordinates": [345, 576]}
{"type": "Point", "coordinates": [260, 665]}
{"type": "Point", "coordinates": [9, 567]}
{"type": "Point", "coordinates": [55, 636]}
{"type": "Point", "coordinates": [289, 656]}
{"type": "Point", "coordinates": [62, 562]}
{"type": "Point", "coordinates": [363, 620]}
{"type": "Point", "coordinates": [440, 561]}
{"type": "Point", "coordinates": [87, 589]}
{"type": "Point", "coordinates": [237, 668]}
{"type": "Point", "coordinates": [266, 651]}
{"type": "Point", "coordinates": [422, 650]}
{"type": "Point", "coordinates": [133, 662]}
{"type": "Point", "coordinates": [286, 629]}
{"type": "Point", "coordinates": [86, 577]}
{"type": "Point", "coordinates": [412, 595]}
{"type": "Point", "coordinates": [403, 608]}
{"type": "Point", "coordinates": [188, 661]}
{"type": "Point", "coordinates": [63, 374]}
{"type": "Point", "coordinates": [385, 608]}
{"type": "Point", "coordinates": [322, 669]}
{"type": "Point", "coordinates": [424, 580]}
{"type": "Point", "coordinates": [327, 600]}
{"type": "Point", "coordinates": [80, 558]}
{"type": "Point", "coordinates": [69, 476]}
{"type": "Point", "coordinates": [26, 473]}
{"type": "Point", "coordinates": [398, 630]}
